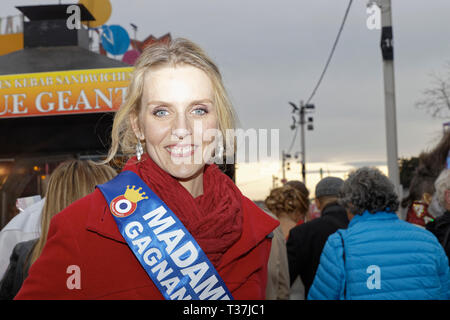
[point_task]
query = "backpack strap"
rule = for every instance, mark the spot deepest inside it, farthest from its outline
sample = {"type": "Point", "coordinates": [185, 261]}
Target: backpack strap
{"type": "Point", "coordinates": [343, 256]}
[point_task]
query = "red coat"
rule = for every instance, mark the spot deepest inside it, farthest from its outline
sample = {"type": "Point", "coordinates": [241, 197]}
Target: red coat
{"type": "Point", "coordinates": [85, 235]}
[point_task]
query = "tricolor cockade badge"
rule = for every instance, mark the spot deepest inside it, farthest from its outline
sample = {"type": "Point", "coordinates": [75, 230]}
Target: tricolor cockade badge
{"type": "Point", "coordinates": [124, 205]}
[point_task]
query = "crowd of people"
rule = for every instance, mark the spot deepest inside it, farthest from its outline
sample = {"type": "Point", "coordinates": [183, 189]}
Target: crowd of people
{"type": "Point", "coordinates": [169, 229]}
{"type": "Point", "coordinates": [359, 247]}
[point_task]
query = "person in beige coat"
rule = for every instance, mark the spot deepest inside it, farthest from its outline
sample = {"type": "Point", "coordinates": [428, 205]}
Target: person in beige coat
{"type": "Point", "coordinates": [289, 204]}
{"type": "Point", "coordinates": [278, 284]}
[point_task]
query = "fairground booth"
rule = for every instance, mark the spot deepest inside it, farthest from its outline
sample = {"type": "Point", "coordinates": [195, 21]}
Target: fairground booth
{"type": "Point", "coordinates": [57, 100]}
{"type": "Point", "coordinates": [60, 84]}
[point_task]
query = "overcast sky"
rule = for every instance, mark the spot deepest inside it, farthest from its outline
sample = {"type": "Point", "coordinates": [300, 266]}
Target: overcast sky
{"type": "Point", "coordinates": [272, 52]}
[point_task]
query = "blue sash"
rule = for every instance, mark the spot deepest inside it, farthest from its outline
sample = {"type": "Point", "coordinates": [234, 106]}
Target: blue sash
{"type": "Point", "coordinates": [166, 250]}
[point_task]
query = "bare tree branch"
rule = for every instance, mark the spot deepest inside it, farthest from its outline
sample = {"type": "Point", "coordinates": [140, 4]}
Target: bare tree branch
{"type": "Point", "coordinates": [436, 100]}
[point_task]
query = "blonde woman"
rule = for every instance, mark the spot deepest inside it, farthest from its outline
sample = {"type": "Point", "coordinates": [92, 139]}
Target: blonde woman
{"type": "Point", "coordinates": [171, 225]}
{"type": "Point", "coordinates": [290, 204]}
{"type": "Point", "coordinates": [70, 181]}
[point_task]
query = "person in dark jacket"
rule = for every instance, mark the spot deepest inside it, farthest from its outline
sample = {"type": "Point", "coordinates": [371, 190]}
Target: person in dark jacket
{"type": "Point", "coordinates": [306, 241]}
{"type": "Point", "coordinates": [17, 269]}
{"type": "Point", "coordinates": [441, 226]}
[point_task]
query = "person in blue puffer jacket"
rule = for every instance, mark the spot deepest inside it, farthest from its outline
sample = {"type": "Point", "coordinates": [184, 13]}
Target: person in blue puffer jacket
{"type": "Point", "coordinates": [379, 256]}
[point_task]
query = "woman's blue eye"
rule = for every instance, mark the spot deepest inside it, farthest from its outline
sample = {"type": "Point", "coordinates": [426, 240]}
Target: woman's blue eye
{"type": "Point", "coordinates": [200, 111]}
{"type": "Point", "coordinates": [160, 113]}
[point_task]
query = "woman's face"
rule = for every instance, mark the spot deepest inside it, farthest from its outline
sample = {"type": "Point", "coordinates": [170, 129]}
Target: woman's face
{"type": "Point", "coordinates": [177, 117]}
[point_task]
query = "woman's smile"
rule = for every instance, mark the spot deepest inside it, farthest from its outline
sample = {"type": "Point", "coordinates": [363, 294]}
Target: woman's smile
{"type": "Point", "coordinates": [181, 150]}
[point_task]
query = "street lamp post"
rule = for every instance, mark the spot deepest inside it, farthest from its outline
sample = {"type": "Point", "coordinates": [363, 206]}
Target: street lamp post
{"type": "Point", "coordinates": [387, 50]}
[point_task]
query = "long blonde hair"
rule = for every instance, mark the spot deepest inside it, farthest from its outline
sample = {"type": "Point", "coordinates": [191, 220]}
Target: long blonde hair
{"type": "Point", "coordinates": [70, 181]}
{"type": "Point", "coordinates": [176, 52]}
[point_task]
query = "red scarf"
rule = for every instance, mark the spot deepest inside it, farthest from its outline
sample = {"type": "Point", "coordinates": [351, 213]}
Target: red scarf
{"type": "Point", "coordinates": [214, 219]}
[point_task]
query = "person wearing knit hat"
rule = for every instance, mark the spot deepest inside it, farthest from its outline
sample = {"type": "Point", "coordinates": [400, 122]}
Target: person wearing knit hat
{"type": "Point", "coordinates": [329, 186]}
{"type": "Point", "coordinates": [327, 191]}
{"type": "Point", "coordinates": [305, 242]}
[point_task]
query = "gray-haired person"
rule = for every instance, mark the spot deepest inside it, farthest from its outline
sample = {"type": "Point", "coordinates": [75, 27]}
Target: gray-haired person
{"type": "Point", "coordinates": [379, 256]}
{"type": "Point", "coordinates": [440, 227]}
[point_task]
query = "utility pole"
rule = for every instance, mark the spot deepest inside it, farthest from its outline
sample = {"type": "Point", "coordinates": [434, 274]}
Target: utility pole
{"type": "Point", "coordinates": [285, 165]}
{"type": "Point", "coordinates": [301, 112]}
{"type": "Point", "coordinates": [274, 181]}
{"type": "Point", "coordinates": [302, 126]}
{"type": "Point", "coordinates": [387, 50]}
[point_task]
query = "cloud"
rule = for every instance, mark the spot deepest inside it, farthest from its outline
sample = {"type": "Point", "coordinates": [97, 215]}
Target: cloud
{"type": "Point", "coordinates": [359, 164]}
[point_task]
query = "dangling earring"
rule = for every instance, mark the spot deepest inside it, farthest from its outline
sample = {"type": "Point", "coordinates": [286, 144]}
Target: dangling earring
{"type": "Point", "coordinates": [139, 150]}
{"type": "Point", "coordinates": [218, 156]}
